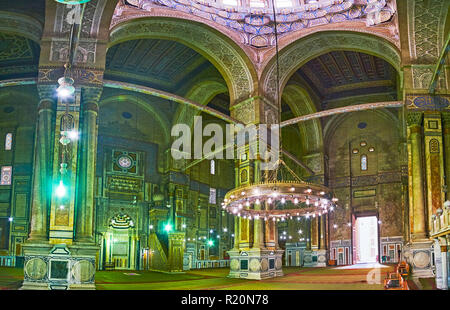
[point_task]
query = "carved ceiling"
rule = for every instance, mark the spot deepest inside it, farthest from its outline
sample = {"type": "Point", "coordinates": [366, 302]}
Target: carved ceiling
{"type": "Point", "coordinates": [161, 64]}
{"type": "Point", "coordinates": [221, 103]}
{"type": "Point", "coordinates": [342, 74]}
{"type": "Point", "coordinates": [19, 57]}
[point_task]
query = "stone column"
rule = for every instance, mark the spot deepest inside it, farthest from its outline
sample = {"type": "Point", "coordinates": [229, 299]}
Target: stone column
{"type": "Point", "coordinates": [434, 162]}
{"type": "Point", "coordinates": [258, 231]}
{"type": "Point", "coordinates": [258, 255]}
{"type": "Point", "coordinates": [418, 250]}
{"type": "Point", "coordinates": [417, 205]}
{"type": "Point", "coordinates": [88, 136]}
{"type": "Point", "coordinates": [446, 133]}
{"type": "Point", "coordinates": [236, 233]}
{"type": "Point", "coordinates": [42, 166]}
{"type": "Point", "coordinates": [314, 233]}
{"type": "Point", "coordinates": [322, 233]}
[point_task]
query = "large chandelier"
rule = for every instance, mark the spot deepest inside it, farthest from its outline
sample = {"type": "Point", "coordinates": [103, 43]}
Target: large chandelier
{"type": "Point", "coordinates": [279, 200]}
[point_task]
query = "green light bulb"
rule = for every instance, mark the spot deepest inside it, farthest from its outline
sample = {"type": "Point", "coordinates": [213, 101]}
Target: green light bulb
{"type": "Point", "coordinates": [61, 190]}
{"type": "Point", "coordinates": [168, 228]}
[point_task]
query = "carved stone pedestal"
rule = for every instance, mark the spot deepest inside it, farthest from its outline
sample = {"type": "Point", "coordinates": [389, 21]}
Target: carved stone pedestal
{"type": "Point", "coordinates": [315, 258]}
{"type": "Point", "coordinates": [418, 255]}
{"type": "Point", "coordinates": [256, 264]}
{"type": "Point", "coordinates": [59, 267]}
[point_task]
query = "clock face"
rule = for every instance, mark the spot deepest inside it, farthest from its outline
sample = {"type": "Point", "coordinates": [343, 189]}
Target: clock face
{"type": "Point", "coordinates": [124, 162]}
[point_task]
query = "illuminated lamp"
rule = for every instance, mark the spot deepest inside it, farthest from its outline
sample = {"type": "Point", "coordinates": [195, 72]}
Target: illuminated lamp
{"type": "Point", "coordinates": [61, 190]}
{"type": "Point", "coordinates": [72, 2]}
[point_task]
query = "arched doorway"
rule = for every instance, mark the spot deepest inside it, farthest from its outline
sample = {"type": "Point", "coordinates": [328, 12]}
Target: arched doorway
{"type": "Point", "coordinates": [120, 243]}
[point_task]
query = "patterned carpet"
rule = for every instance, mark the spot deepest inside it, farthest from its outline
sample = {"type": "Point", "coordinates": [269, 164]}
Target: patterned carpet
{"type": "Point", "coordinates": [295, 278]}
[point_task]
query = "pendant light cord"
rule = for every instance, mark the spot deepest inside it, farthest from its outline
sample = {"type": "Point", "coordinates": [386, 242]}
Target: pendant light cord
{"type": "Point", "coordinates": [277, 91]}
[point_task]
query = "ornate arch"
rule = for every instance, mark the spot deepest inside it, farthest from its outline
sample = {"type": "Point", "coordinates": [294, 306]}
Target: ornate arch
{"type": "Point", "coordinates": [225, 55]}
{"type": "Point", "coordinates": [301, 103]}
{"type": "Point", "coordinates": [293, 56]}
{"type": "Point", "coordinates": [202, 92]}
{"type": "Point", "coordinates": [138, 100]}
{"type": "Point", "coordinates": [21, 25]}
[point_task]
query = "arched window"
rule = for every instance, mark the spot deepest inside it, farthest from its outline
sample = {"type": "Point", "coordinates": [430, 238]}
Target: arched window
{"type": "Point", "coordinates": [212, 195]}
{"type": "Point", "coordinates": [6, 175]}
{"type": "Point", "coordinates": [8, 142]}
{"type": "Point", "coordinates": [363, 162]}
{"type": "Point", "coordinates": [213, 167]}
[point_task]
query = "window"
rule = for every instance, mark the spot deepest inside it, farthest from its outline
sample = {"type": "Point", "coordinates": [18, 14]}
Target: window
{"type": "Point", "coordinates": [6, 173]}
{"type": "Point", "coordinates": [257, 3]}
{"type": "Point", "coordinates": [213, 167]}
{"type": "Point", "coordinates": [364, 162]}
{"type": "Point", "coordinates": [283, 3]}
{"type": "Point", "coordinates": [212, 195]}
{"type": "Point", "coordinates": [8, 142]}
{"type": "Point", "coordinates": [230, 2]}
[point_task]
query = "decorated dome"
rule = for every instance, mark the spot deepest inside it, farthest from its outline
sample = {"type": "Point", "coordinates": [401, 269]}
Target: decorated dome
{"type": "Point", "coordinates": [256, 20]}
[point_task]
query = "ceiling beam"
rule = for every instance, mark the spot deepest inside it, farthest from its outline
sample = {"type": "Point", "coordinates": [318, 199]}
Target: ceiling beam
{"type": "Point", "coordinates": [439, 66]}
{"type": "Point", "coordinates": [354, 108]}
{"type": "Point", "coordinates": [168, 96]}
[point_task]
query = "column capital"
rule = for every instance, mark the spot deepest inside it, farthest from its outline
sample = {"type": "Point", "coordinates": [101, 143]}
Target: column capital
{"type": "Point", "coordinates": [91, 95]}
{"type": "Point", "coordinates": [256, 110]}
{"type": "Point", "coordinates": [47, 92]}
{"type": "Point", "coordinates": [414, 119]}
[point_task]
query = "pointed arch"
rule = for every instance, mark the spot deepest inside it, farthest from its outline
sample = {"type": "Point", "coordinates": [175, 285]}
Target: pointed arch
{"type": "Point", "coordinates": [295, 55]}
{"type": "Point", "coordinates": [230, 60]}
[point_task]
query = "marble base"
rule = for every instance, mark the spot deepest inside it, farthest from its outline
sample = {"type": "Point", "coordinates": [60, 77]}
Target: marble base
{"type": "Point", "coordinates": [255, 264]}
{"type": "Point", "coordinates": [59, 267]}
{"type": "Point", "coordinates": [418, 256]}
{"type": "Point", "coordinates": [315, 258]}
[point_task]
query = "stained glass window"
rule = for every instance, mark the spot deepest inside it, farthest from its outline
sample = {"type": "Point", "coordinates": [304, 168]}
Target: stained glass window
{"type": "Point", "coordinates": [8, 141]}
{"type": "Point", "coordinates": [213, 167]}
{"type": "Point", "coordinates": [364, 162]}
{"type": "Point", "coordinates": [212, 195]}
{"type": "Point", "coordinates": [5, 178]}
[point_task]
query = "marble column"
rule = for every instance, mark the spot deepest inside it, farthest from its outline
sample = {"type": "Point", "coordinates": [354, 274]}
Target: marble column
{"type": "Point", "coordinates": [42, 167]}
{"type": "Point", "coordinates": [315, 233]}
{"type": "Point", "coordinates": [446, 133]}
{"type": "Point", "coordinates": [417, 207]}
{"type": "Point", "coordinates": [322, 233]}
{"type": "Point", "coordinates": [258, 232]}
{"type": "Point", "coordinates": [88, 136]}
{"type": "Point", "coordinates": [236, 233]}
